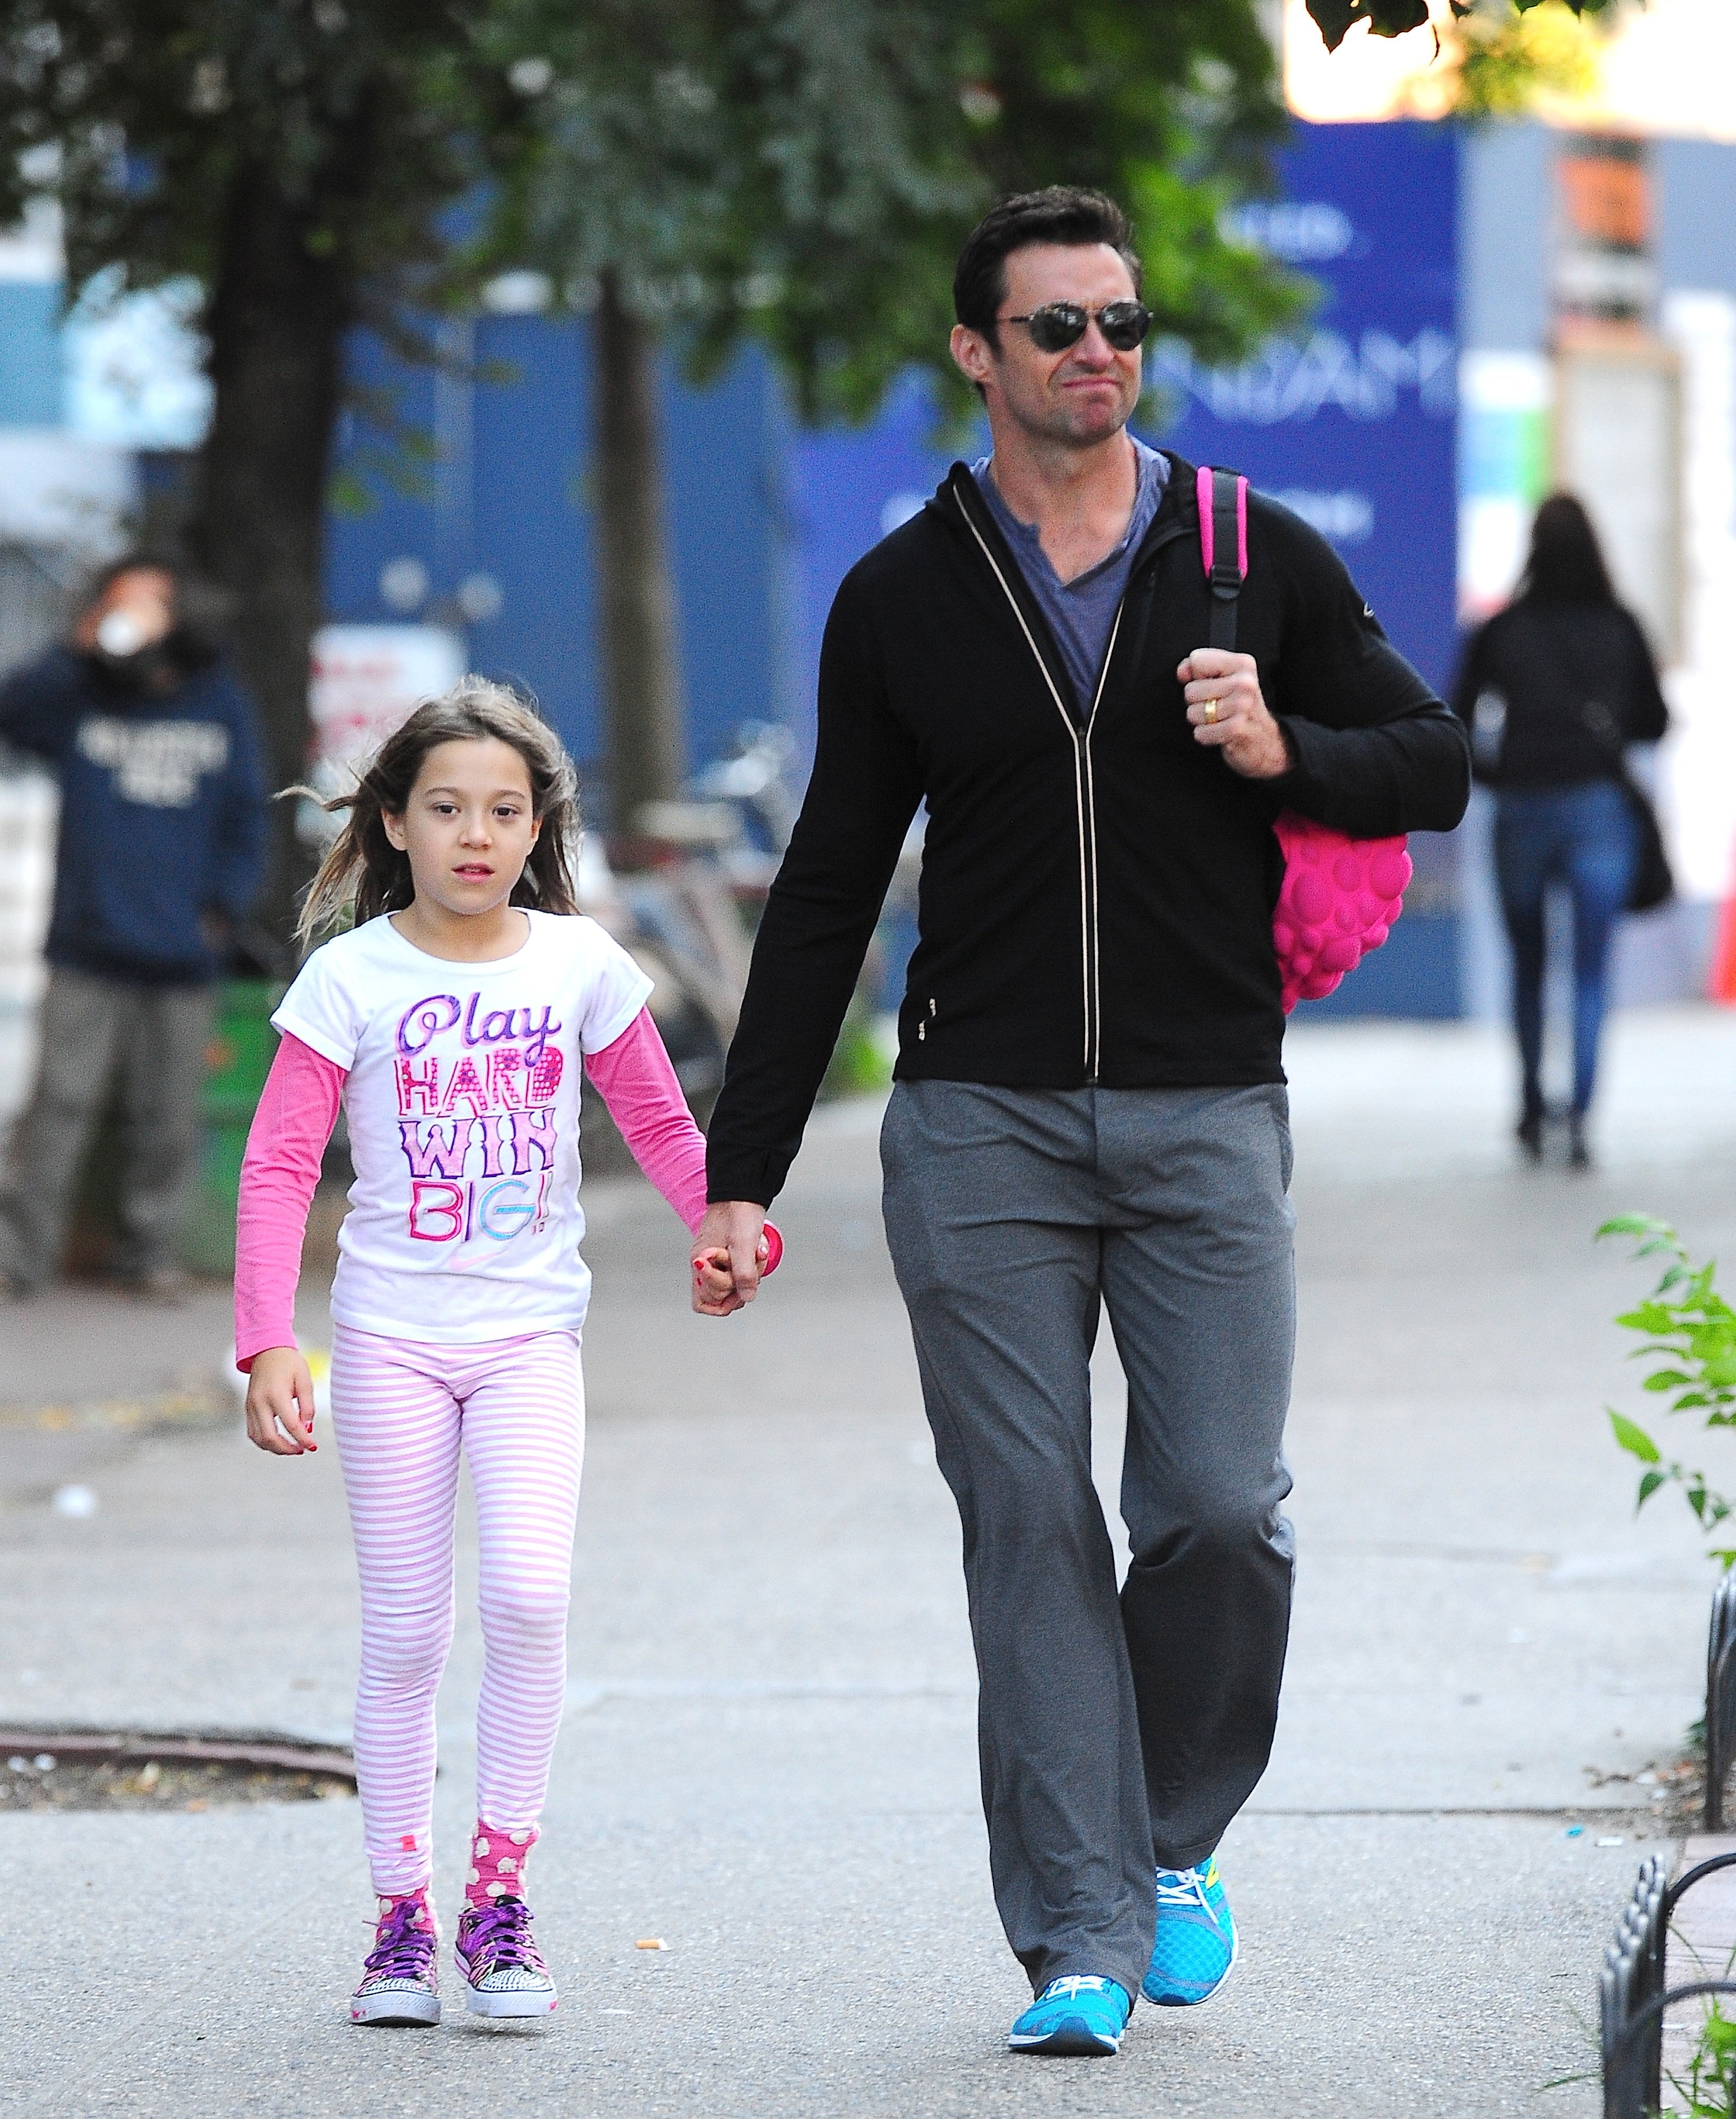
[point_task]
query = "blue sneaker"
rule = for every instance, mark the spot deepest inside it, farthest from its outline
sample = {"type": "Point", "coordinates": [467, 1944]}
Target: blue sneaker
{"type": "Point", "coordinates": [1196, 1939]}
{"type": "Point", "coordinates": [1075, 2019]}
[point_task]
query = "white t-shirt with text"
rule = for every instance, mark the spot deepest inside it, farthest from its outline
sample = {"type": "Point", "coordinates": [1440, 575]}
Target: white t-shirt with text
{"type": "Point", "coordinates": [462, 1103]}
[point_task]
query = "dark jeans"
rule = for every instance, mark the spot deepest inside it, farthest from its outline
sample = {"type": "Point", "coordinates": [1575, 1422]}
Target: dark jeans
{"type": "Point", "coordinates": [1115, 1732]}
{"type": "Point", "coordinates": [1583, 839]}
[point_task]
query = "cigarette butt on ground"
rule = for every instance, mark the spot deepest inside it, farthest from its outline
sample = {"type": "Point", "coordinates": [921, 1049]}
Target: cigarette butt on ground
{"type": "Point", "coordinates": [651, 1942]}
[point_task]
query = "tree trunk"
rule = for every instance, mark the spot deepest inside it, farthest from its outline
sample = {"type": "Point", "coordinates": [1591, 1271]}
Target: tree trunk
{"type": "Point", "coordinates": [641, 675]}
{"type": "Point", "coordinates": [276, 321]}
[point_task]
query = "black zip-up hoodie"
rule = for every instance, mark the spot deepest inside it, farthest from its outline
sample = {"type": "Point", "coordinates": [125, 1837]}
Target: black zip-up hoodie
{"type": "Point", "coordinates": [1097, 887]}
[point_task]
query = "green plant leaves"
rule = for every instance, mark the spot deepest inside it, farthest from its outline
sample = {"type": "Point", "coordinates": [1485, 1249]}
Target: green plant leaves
{"type": "Point", "coordinates": [1653, 1317]}
{"type": "Point", "coordinates": [1687, 1322]}
{"type": "Point", "coordinates": [1708, 2090]}
{"type": "Point", "coordinates": [1635, 1440]}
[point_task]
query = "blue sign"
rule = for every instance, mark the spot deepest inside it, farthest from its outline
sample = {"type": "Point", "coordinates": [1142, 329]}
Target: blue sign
{"type": "Point", "coordinates": [1351, 421]}
{"type": "Point", "coordinates": [851, 487]}
{"type": "Point", "coordinates": [490, 533]}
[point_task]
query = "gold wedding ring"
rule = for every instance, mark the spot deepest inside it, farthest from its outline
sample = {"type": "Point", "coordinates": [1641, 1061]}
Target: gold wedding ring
{"type": "Point", "coordinates": [1211, 712]}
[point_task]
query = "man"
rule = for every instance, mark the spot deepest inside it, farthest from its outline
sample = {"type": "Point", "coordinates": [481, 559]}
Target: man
{"type": "Point", "coordinates": [1089, 1107]}
{"type": "Point", "coordinates": [161, 849]}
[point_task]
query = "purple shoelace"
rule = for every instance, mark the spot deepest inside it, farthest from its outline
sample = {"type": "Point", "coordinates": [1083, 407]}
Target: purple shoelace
{"type": "Point", "coordinates": [403, 1946]}
{"type": "Point", "coordinates": [499, 1935]}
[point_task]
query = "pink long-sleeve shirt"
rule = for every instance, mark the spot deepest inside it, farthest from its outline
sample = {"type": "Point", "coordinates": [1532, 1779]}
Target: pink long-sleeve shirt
{"type": "Point", "coordinates": [293, 1122]}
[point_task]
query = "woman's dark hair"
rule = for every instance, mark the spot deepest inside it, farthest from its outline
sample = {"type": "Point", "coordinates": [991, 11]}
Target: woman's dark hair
{"type": "Point", "coordinates": [365, 874]}
{"type": "Point", "coordinates": [1064, 213]}
{"type": "Point", "coordinates": [1566, 563]}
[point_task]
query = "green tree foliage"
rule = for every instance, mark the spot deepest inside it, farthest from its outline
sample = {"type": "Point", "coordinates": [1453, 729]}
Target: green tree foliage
{"type": "Point", "coordinates": [163, 114]}
{"type": "Point", "coordinates": [1506, 60]}
{"type": "Point", "coordinates": [801, 175]}
{"type": "Point", "coordinates": [1392, 18]}
{"type": "Point", "coordinates": [299, 159]}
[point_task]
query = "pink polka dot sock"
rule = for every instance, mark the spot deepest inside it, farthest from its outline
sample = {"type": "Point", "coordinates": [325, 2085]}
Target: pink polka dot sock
{"type": "Point", "coordinates": [424, 1915]}
{"type": "Point", "coordinates": [497, 1860]}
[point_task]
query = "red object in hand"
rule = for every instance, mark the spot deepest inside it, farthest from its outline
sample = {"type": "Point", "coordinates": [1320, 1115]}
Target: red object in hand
{"type": "Point", "coordinates": [773, 1251]}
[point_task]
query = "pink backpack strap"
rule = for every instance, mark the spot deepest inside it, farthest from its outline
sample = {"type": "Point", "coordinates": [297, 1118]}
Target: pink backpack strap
{"type": "Point", "coordinates": [1339, 896]}
{"type": "Point", "coordinates": [1223, 544]}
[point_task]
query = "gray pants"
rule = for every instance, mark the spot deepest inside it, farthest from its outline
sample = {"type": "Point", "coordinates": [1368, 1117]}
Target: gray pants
{"type": "Point", "coordinates": [156, 1037]}
{"type": "Point", "coordinates": [1114, 1732]}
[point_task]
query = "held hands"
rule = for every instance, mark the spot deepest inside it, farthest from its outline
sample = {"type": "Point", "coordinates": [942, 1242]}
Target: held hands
{"type": "Point", "coordinates": [1228, 713]}
{"type": "Point", "coordinates": [279, 1403]}
{"type": "Point", "coordinates": [729, 1255]}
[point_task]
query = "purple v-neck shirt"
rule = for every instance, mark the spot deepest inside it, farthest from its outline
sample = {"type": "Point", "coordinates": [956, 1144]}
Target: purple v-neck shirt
{"type": "Point", "coordinates": [1082, 611]}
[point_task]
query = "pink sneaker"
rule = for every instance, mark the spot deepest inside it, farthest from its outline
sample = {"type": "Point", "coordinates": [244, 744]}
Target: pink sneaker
{"type": "Point", "coordinates": [503, 1972]}
{"type": "Point", "coordinates": [400, 1978]}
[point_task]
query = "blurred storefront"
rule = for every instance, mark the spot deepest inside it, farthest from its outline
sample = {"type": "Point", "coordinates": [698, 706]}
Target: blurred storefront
{"type": "Point", "coordinates": [1600, 354]}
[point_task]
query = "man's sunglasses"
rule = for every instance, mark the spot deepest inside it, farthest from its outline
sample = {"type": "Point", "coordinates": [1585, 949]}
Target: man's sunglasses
{"type": "Point", "coordinates": [1058, 325]}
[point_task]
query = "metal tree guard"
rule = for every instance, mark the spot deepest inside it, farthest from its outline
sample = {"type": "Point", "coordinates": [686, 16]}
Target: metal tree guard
{"type": "Point", "coordinates": [1632, 1996]}
{"type": "Point", "coordinates": [1720, 1699]}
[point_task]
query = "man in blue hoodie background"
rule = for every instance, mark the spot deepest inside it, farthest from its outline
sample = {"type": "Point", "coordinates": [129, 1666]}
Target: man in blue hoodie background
{"type": "Point", "coordinates": [162, 847]}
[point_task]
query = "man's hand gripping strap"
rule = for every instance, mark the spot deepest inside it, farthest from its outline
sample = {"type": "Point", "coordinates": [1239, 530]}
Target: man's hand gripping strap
{"type": "Point", "coordinates": [1340, 896]}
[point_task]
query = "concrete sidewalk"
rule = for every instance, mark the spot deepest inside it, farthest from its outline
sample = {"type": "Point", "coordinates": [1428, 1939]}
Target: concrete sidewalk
{"type": "Point", "coordinates": [769, 1758]}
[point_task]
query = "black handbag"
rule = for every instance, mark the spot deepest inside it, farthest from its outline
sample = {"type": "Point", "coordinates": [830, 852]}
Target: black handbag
{"type": "Point", "coordinates": [1653, 884]}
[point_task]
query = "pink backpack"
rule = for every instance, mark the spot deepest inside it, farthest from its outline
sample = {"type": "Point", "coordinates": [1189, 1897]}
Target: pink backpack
{"type": "Point", "coordinates": [1340, 896]}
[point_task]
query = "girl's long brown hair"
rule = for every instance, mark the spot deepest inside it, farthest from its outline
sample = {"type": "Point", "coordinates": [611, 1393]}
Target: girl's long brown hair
{"type": "Point", "coordinates": [364, 874]}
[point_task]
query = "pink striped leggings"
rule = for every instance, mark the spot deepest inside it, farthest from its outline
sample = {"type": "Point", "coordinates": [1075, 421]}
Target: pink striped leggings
{"type": "Point", "coordinates": [402, 1411]}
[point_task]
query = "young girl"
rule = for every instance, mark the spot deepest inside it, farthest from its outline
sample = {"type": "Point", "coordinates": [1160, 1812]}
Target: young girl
{"type": "Point", "coordinates": [451, 1023]}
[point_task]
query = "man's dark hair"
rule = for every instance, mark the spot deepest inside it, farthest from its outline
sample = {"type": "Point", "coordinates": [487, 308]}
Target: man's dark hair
{"type": "Point", "coordinates": [1064, 213]}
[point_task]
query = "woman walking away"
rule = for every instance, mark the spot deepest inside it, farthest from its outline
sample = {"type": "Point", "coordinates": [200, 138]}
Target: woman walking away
{"type": "Point", "coordinates": [1553, 688]}
{"type": "Point", "coordinates": [450, 1023]}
